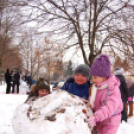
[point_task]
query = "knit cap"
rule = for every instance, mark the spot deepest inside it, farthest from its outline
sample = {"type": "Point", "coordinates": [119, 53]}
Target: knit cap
{"type": "Point", "coordinates": [42, 84]}
{"type": "Point", "coordinates": [101, 66]}
{"type": "Point", "coordinates": [83, 69]}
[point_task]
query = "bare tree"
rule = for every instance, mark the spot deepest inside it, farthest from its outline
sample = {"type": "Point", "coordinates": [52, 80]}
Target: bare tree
{"type": "Point", "coordinates": [40, 55]}
{"type": "Point", "coordinates": [9, 26]}
{"type": "Point", "coordinates": [52, 58]}
{"type": "Point", "coordinates": [87, 25]}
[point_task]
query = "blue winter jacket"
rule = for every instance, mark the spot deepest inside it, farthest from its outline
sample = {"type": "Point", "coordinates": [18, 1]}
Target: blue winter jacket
{"type": "Point", "coordinates": [75, 89]}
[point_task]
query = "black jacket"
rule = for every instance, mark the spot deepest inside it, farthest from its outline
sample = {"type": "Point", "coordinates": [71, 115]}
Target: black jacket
{"type": "Point", "coordinates": [123, 88]}
{"type": "Point", "coordinates": [16, 77]}
{"type": "Point", "coordinates": [29, 80]}
{"type": "Point", "coordinates": [7, 76]}
{"type": "Point", "coordinates": [131, 90]}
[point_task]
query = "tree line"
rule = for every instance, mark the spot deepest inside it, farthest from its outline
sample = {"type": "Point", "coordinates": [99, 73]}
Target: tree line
{"type": "Point", "coordinates": [37, 34]}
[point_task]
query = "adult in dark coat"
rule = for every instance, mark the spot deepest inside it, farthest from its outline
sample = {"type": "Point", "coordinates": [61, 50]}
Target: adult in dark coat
{"type": "Point", "coordinates": [8, 80]}
{"type": "Point", "coordinates": [11, 79]}
{"type": "Point", "coordinates": [119, 72]}
{"type": "Point", "coordinates": [130, 85]}
{"type": "Point", "coordinates": [28, 80]}
{"type": "Point", "coordinates": [16, 80]}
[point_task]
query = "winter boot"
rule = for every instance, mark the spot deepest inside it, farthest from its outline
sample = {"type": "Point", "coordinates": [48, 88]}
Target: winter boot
{"type": "Point", "coordinates": [130, 109]}
{"type": "Point", "coordinates": [127, 105]}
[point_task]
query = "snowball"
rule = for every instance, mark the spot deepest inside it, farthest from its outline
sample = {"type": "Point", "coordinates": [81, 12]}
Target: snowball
{"type": "Point", "coordinates": [56, 113]}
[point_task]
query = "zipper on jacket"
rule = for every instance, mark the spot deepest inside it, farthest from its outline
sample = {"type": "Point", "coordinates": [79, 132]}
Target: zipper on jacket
{"type": "Point", "coordinates": [100, 103]}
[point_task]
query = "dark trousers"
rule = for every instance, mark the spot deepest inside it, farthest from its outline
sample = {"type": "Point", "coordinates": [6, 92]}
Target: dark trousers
{"type": "Point", "coordinates": [8, 87]}
{"type": "Point", "coordinates": [124, 112]}
{"type": "Point", "coordinates": [17, 84]}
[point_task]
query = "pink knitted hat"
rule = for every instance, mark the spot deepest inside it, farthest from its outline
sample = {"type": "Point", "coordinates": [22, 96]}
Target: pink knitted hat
{"type": "Point", "coordinates": [101, 66]}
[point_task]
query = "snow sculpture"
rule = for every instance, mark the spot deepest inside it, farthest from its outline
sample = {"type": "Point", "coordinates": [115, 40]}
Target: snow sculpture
{"type": "Point", "coordinates": [24, 88]}
{"type": "Point", "coordinates": [56, 113]}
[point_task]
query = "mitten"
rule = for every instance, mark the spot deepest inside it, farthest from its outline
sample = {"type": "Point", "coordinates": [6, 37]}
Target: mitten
{"type": "Point", "coordinates": [129, 98]}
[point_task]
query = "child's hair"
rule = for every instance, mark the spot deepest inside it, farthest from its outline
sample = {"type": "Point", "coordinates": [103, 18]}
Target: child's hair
{"type": "Point", "coordinates": [101, 66]}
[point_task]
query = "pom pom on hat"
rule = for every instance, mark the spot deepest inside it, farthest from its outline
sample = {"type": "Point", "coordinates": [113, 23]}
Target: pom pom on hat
{"type": "Point", "coordinates": [101, 66]}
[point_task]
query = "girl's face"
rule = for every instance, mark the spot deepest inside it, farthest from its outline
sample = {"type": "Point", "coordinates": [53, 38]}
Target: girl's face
{"type": "Point", "coordinates": [97, 79]}
{"type": "Point", "coordinates": [43, 92]}
{"type": "Point", "coordinates": [80, 79]}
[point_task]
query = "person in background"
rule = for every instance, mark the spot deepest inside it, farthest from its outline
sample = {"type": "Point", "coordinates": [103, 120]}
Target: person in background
{"type": "Point", "coordinates": [11, 79]}
{"type": "Point", "coordinates": [40, 89]}
{"type": "Point", "coordinates": [16, 80]}
{"type": "Point", "coordinates": [130, 86]}
{"type": "Point", "coordinates": [8, 81]}
{"type": "Point", "coordinates": [105, 97]}
{"type": "Point", "coordinates": [119, 73]}
{"type": "Point", "coordinates": [79, 85]}
{"type": "Point", "coordinates": [28, 78]}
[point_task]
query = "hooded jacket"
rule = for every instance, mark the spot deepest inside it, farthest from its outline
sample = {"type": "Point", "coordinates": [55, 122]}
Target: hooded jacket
{"type": "Point", "coordinates": [108, 106]}
{"type": "Point", "coordinates": [79, 90]}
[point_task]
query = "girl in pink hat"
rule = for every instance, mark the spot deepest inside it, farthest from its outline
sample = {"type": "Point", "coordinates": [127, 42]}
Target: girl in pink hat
{"type": "Point", "coordinates": [105, 97]}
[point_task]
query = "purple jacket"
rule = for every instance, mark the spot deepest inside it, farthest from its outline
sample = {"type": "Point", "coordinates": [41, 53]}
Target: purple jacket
{"type": "Point", "coordinates": [108, 106]}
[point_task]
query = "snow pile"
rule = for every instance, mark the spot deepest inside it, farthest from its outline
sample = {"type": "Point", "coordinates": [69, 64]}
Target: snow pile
{"type": "Point", "coordinates": [57, 113]}
{"type": "Point", "coordinates": [23, 87]}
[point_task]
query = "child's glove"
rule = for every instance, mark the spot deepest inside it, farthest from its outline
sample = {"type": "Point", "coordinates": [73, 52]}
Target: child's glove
{"type": "Point", "coordinates": [129, 98]}
{"type": "Point", "coordinates": [92, 120]}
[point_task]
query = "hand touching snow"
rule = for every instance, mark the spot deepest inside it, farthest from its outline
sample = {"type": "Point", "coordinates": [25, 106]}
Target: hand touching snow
{"type": "Point", "coordinates": [92, 120]}
{"type": "Point", "coordinates": [84, 100]}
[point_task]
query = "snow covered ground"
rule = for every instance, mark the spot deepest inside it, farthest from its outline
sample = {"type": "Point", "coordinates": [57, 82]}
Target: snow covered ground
{"type": "Point", "coordinates": [8, 104]}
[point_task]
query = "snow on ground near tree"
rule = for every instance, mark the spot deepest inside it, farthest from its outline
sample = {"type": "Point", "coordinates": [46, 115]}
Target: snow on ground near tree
{"type": "Point", "coordinates": [8, 104]}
